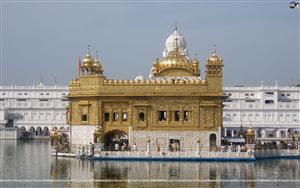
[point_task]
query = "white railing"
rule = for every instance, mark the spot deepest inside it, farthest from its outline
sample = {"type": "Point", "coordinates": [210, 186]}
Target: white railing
{"type": "Point", "coordinates": [86, 150]}
{"type": "Point", "coordinates": [176, 154]}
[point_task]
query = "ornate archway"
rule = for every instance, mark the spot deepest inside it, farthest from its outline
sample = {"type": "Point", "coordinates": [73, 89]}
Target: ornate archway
{"type": "Point", "coordinates": [116, 140]}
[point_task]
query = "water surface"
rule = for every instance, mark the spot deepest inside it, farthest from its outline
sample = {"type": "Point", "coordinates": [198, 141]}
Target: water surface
{"type": "Point", "coordinates": [28, 164]}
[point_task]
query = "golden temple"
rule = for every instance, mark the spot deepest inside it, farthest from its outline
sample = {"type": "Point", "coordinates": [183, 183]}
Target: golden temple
{"type": "Point", "coordinates": [175, 105]}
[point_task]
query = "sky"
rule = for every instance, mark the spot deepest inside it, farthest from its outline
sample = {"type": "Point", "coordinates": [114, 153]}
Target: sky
{"type": "Point", "coordinates": [258, 40]}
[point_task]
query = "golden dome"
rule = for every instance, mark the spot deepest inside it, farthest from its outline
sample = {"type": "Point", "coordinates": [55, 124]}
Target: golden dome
{"type": "Point", "coordinates": [214, 57]}
{"type": "Point", "coordinates": [87, 61]}
{"type": "Point", "coordinates": [195, 60]}
{"type": "Point", "coordinates": [97, 63]}
{"type": "Point", "coordinates": [97, 130]}
{"type": "Point", "coordinates": [174, 60]}
{"type": "Point", "coordinates": [250, 132]}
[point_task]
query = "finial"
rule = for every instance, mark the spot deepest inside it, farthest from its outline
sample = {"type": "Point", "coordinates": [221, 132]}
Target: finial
{"type": "Point", "coordinates": [175, 26]}
{"type": "Point", "coordinates": [214, 49]}
{"type": "Point", "coordinates": [97, 55]}
{"type": "Point", "coordinates": [89, 46]}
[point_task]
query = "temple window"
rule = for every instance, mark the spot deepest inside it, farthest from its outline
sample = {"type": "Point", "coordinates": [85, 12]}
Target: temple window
{"type": "Point", "coordinates": [84, 117]}
{"type": "Point", "coordinates": [115, 116]}
{"type": "Point", "coordinates": [106, 116]}
{"type": "Point", "coordinates": [162, 115]}
{"type": "Point", "coordinates": [186, 115]}
{"type": "Point", "coordinates": [177, 116]}
{"type": "Point", "coordinates": [141, 116]}
{"type": "Point", "coordinates": [124, 116]}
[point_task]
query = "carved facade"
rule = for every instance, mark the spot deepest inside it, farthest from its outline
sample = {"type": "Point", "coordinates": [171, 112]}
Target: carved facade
{"type": "Point", "coordinates": [174, 104]}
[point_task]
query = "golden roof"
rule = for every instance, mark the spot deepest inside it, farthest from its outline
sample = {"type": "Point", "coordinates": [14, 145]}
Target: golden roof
{"type": "Point", "coordinates": [174, 60]}
{"type": "Point", "coordinates": [88, 61]}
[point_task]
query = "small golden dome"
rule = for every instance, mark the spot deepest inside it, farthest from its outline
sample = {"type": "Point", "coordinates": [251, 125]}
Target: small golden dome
{"type": "Point", "coordinates": [97, 130]}
{"type": "Point", "coordinates": [54, 132]}
{"type": "Point", "coordinates": [214, 57]}
{"type": "Point", "coordinates": [250, 132]}
{"type": "Point", "coordinates": [97, 64]}
{"type": "Point", "coordinates": [195, 61]}
{"type": "Point", "coordinates": [87, 61]}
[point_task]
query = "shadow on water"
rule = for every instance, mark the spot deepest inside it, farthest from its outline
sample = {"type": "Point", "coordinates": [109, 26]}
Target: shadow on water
{"type": "Point", "coordinates": [31, 160]}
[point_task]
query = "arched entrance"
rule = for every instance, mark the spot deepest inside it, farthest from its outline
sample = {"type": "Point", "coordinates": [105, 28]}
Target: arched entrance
{"type": "Point", "coordinates": [212, 142]}
{"type": "Point", "coordinates": [46, 131]}
{"type": "Point", "coordinates": [116, 140]}
{"type": "Point", "coordinates": [32, 131]}
{"type": "Point", "coordinates": [39, 131]}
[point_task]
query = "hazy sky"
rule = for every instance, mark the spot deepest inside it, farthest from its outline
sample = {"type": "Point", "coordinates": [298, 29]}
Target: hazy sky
{"type": "Point", "coordinates": [258, 41]}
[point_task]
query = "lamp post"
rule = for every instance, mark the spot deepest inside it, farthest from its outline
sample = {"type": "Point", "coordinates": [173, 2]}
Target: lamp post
{"type": "Point", "coordinates": [250, 144]}
{"type": "Point", "coordinates": [97, 140]}
{"type": "Point", "coordinates": [54, 140]}
{"type": "Point", "coordinates": [198, 146]}
{"type": "Point", "coordinates": [148, 146]}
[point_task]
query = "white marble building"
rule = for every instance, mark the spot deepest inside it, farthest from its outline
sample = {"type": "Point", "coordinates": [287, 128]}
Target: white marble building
{"type": "Point", "coordinates": [36, 109]}
{"type": "Point", "coordinates": [273, 111]}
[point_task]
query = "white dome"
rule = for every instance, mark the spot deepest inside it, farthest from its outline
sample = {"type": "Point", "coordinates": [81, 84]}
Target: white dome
{"type": "Point", "coordinates": [139, 78]}
{"type": "Point", "coordinates": [175, 40]}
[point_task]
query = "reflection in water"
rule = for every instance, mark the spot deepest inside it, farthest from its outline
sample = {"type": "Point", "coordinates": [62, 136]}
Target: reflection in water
{"type": "Point", "coordinates": [31, 160]}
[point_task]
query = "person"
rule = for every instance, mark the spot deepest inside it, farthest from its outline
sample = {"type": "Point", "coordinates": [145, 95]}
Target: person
{"type": "Point", "coordinates": [134, 147]}
{"type": "Point", "coordinates": [92, 148]}
{"type": "Point", "coordinates": [116, 146]}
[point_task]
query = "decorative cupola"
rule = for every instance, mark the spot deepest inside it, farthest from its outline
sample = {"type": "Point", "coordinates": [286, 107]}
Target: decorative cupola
{"type": "Point", "coordinates": [87, 66]}
{"type": "Point", "coordinates": [214, 64]}
{"type": "Point", "coordinates": [196, 65]}
{"type": "Point", "coordinates": [214, 71]}
{"type": "Point", "coordinates": [97, 65]}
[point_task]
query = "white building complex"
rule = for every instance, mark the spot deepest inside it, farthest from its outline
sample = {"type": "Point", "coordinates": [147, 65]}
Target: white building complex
{"type": "Point", "coordinates": [35, 109]}
{"type": "Point", "coordinates": [273, 111]}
